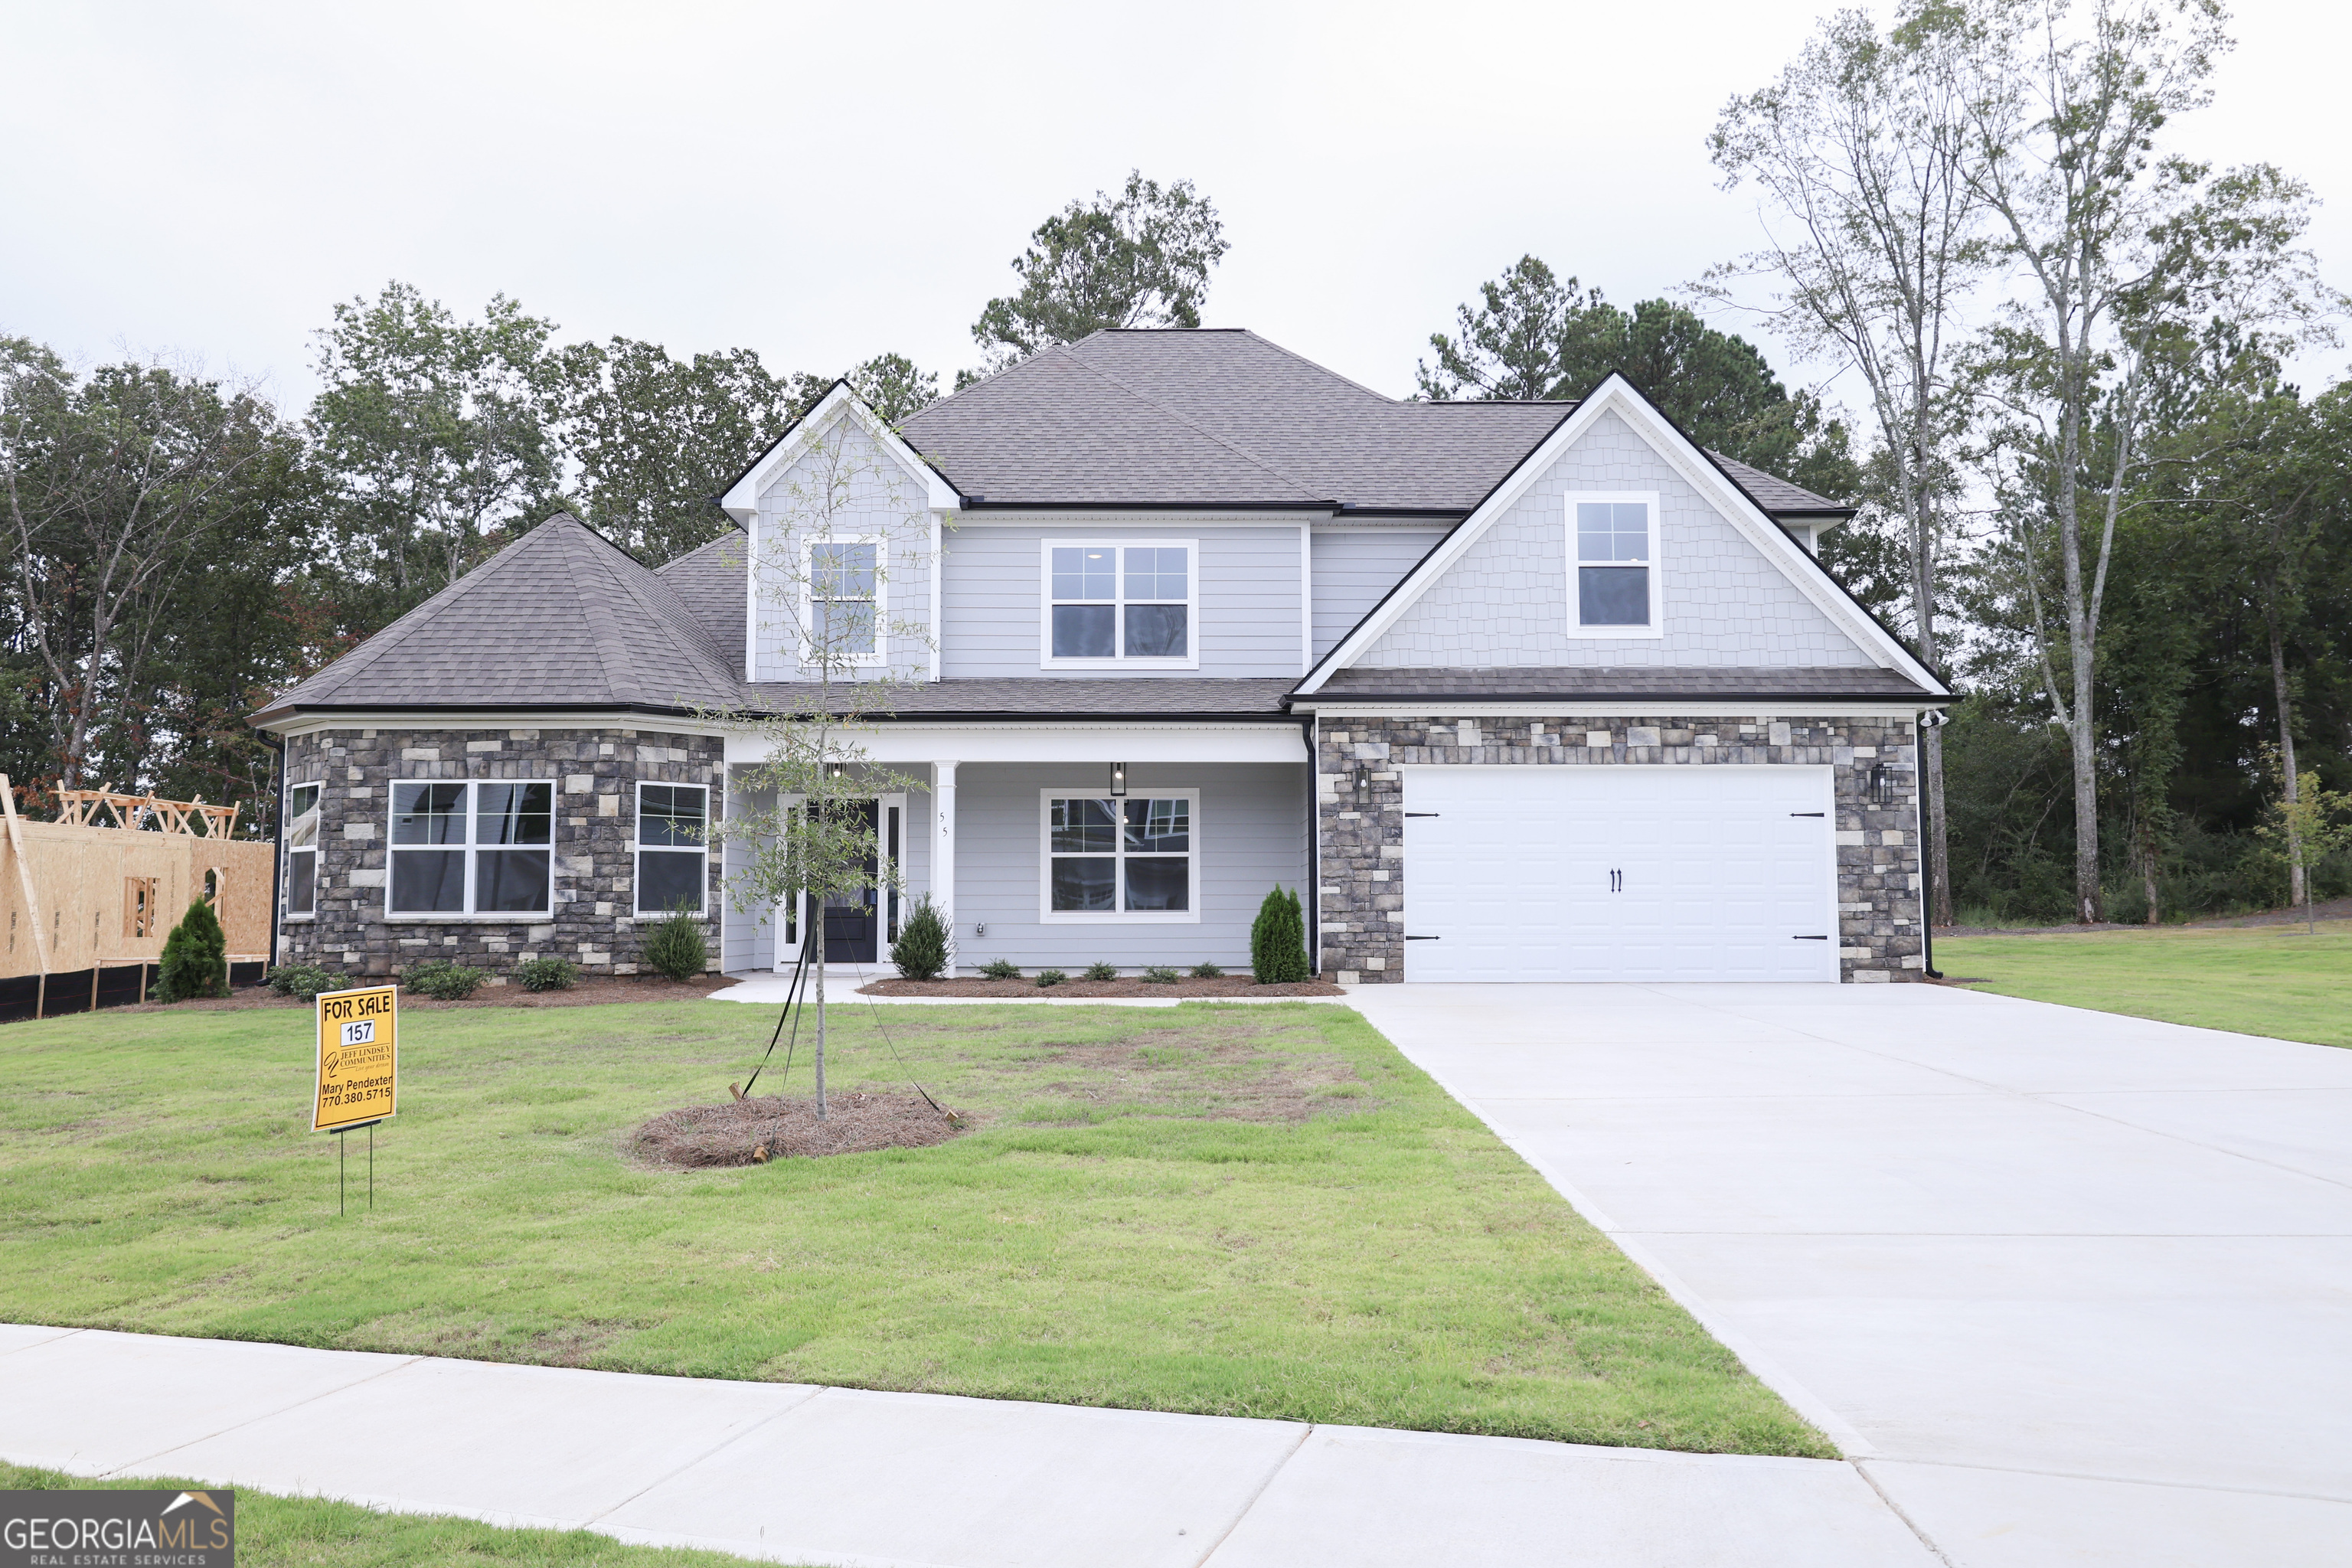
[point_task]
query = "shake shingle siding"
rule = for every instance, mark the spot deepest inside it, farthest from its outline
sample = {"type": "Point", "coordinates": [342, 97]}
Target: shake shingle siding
{"type": "Point", "coordinates": [1505, 601]}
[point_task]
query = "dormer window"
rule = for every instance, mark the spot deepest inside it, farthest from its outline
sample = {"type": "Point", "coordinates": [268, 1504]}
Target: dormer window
{"type": "Point", "coordinates": [1118, 604]}
{"type": "Point", "coordinates": [1613, 544]}
{"type": "Point", "coordinates": [843, 602]}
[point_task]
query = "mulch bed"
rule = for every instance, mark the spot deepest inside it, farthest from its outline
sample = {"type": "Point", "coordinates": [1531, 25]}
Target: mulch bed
{"type": "Point", "coordinates": [585, 993]}
{"type": "Point", "coordinates": [771, 1127]}
{"type": "Point", "coordinates": [984, 990]}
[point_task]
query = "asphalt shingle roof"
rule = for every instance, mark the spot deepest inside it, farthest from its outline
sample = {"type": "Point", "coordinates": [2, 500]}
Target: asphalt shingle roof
{"type": "Point", "coordinates": [1592, 683]}
{"type": "Point", "coordinates": [1222, 417]}
{"type": "Point", "coordinates": [711, 582]}
{"type": "Point", "coordinates": [561, 617]}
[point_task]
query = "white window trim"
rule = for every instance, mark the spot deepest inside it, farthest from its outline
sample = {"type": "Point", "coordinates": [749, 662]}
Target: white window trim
{"type": "Point", "coordinates": [311, 849]}
{"type": "Point", "coordinates": [1657, 626]}
{"type": "Point", "coordinates": [469, 914]}
{"type": "Point", "coordinates": [1119, 661]}
{"type": "Point", "coordinates": [881, 654]}
{"type": "Point", "coordinates": [1048, 914]}
{"type": "Point", "coordinates": [638, 852]}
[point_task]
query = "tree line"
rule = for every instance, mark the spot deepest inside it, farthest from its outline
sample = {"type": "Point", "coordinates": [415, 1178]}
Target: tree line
{"type": "Point", "coordinates": [2089, 493]}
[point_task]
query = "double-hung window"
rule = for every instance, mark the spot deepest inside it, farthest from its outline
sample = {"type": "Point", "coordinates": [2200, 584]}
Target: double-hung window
{"type": "Point", "coordinates": [483, 848]}
{"type": "Point", "coordinates": [1613, 584]}
{"type": "Point", "coordinates": [301, 839]}
{"type": "Point", "coordinates": [1108, 858]}
{"type": "Point", "coordinates": [673, 848]}
{"type": "Point", "coordinates": [844, 602]}
{"type": "Point", "coordinates": [1118, 604]}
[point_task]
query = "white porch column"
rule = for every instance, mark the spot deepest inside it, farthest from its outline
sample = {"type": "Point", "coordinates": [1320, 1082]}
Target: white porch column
{"type": "Point", "coordinates": [943, 850]}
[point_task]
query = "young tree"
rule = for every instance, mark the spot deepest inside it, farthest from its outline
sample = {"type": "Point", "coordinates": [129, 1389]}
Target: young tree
{"type": "Point", "coordinates": [1140, 258]}
{"type": "Point", "coordinates": [116, 486]}
{"type": "Point", "coordinates": [436, 435]}
{"type": "Point", "coordinates": [849, 522]}
{"type": "Point", "coordinates": [1875, 234]}
{"type": "Point", "coordinates": [2118, 253]}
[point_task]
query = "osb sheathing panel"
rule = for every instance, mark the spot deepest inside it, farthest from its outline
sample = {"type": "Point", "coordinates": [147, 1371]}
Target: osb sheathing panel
{"type": "Point", "coordinates": [81, 885]}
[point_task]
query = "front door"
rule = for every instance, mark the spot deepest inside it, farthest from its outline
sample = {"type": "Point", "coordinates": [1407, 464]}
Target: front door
{"type": "Point", "coordinates": [852, 920]}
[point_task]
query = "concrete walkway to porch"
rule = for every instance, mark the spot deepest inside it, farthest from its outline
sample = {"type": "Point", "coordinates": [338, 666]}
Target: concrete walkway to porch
{"type": "Point", "coordinates": [2069, 1287]}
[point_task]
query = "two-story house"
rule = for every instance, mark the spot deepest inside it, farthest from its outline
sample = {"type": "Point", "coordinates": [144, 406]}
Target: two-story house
{"type": "Point", "coordinates": [1513, 690]}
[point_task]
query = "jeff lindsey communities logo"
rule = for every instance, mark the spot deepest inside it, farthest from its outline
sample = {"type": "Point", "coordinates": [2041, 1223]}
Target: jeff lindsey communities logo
{"type": "Point", "coordinates": [118, 1530]}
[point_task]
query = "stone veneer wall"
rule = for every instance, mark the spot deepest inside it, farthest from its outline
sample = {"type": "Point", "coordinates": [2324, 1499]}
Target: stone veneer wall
{"type": "Point", "coordinates": [596, 774]}
{"type": "Point", "coordinates": [1360, 804]}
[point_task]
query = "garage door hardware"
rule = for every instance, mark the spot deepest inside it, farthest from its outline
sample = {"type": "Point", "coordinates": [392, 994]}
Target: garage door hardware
{"type": "Point", "coordinates": [1616, 881]}
{"type": "Point", "coordinates": [1424, 813]}
{"type": "Point", "coordinates": [1425, 939]}
{"type": "Point", "coordinates": [1809, 939]}
{"type": "Point", "coordinates": [1809, 814]}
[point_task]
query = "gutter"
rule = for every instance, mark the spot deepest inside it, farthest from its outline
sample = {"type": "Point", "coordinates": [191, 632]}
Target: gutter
{"type": "Point", "coordinates": [1926, 873]}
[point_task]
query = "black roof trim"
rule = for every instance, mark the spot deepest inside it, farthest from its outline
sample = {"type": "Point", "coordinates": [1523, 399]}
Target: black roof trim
{"type": "Point", "coordinates": [1458, 698]}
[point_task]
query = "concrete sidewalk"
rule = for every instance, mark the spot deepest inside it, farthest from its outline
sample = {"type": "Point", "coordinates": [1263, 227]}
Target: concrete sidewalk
{"type": "Point", "coordinates": [842, 982]}
{"type": "Point", "coordinates": [795, 1474]}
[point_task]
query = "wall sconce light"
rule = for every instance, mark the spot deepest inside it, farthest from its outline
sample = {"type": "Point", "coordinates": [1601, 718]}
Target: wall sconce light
{"type": "Point", "coordinates": [1118, 778]}
{"type": "Point", "coordinates": [1882, 784]}
{"type": "Point", "coordinates": [836, 770]}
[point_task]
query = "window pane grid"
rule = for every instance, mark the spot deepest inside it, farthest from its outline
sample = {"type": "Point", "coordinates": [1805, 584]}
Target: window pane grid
{"type": "Point", "coordinates": [1114, 602]}
{"type": "Point", "coordinates": [482, 847]}
{"type": "Point", "coordinates": [1110, 855]}
{"type": "Point", "coordinates": [842, 580]}
{"type": "Point", "coordinates": [1613, 554]}
{"type": "Point", "coordinates": [672, 847]}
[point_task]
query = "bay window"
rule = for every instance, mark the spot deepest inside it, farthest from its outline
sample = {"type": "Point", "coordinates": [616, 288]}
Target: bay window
{"type": "Point", "coordinates": [673, 848]}
{"type": "Point", "coordinates": [479, 848]}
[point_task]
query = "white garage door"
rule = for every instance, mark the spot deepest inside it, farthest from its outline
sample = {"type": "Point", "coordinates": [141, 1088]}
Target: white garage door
{"type": "Point", "coordinates": [1718, 872]}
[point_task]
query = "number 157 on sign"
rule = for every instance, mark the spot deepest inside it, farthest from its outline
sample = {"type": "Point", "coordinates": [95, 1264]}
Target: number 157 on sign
{"type": "Point", "coordinates": [362, 1033]}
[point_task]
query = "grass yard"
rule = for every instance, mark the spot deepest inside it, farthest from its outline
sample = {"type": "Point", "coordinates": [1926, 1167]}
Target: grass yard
{"type": "Point", "coordinates": [315, 1532]}
{"type": "Point", "coordinates": [1233, 1210]}
{"type": "Point", "coordinates": [2257, 980]}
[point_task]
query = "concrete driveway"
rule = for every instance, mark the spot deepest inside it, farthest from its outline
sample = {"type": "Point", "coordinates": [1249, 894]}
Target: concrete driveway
{"type": "Point", "coordinates": [2070, 1288]}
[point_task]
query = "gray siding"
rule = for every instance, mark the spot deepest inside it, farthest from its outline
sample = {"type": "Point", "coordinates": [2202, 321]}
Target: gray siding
{"type": "Point", "coordinates": [878, 498]}
{"type": "Point", "coordinates": [1354, 570]}
{"type": "Point", "coordinates": [1251, 834]}
{"type": "Point", "coordinates": [1505, 603]}
{"type": "Point", "coordinates": [1247, 597]}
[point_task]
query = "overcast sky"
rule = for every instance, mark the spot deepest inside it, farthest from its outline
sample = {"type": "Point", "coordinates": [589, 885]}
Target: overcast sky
{"type": "Point", "coordinates": [822, 182]}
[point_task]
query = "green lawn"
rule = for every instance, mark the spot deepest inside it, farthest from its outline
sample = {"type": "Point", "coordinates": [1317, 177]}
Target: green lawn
{"type": "Point", "coordinates": [2257, 980]}
{"type": "Point", "coordinates": [1117, 1231]}
{"type": "Point", "coordinates": [314, 1532]}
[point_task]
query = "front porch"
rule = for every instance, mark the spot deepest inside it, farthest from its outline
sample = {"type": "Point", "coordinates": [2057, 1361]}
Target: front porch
{"type": "Point", "coordinates": [1133, 846]}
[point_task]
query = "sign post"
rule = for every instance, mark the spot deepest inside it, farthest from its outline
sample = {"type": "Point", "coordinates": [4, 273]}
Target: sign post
{"type": "Point", "coordinates": [358, 1082]}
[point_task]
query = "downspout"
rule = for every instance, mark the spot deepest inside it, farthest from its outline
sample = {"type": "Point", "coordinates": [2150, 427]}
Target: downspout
{"type": "Point", "coordinates": [1919, 818]}
{"type": "Point", "coordinates": [277, 847]}
{"type": "Point", "coordinates": [1312, 729]}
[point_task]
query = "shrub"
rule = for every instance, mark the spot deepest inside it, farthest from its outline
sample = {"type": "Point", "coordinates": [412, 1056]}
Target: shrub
{"type": "Point", "coordinates": [1278, 939]}
{"type": "Point", "coordinates": [303, 980]}
{"type": "Point", "coordinates": [547, 973]}
{"type": "Point", "coordinates": [1001, 969]}
{"type": "Point", "coordinates": [1161, 974]}
{"type": "Point", "coordinates": [675, 949]}
{"type": "Point", "coordinates": [1102, 972]}
{"type": "Point", "coordinates": [922, 951]}
{"type": "Point", "coordinates": [1207, 972]}
{"type": "Point", "coordinates": [1051, 977]}
{"type": "Point", "coordinates": [443, 980]}
{"type": "Point", "coordinates": [195, 957]}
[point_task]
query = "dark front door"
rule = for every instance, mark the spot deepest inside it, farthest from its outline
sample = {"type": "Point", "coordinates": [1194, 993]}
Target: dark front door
{"type": "Point", "coordinates": [852, 929]}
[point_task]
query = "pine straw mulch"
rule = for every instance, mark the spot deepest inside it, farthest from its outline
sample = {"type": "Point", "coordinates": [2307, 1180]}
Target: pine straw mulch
{"type": "Point", "coordinates": [976, 989]}
{"type": "Point", "coordinates": [771, 1127]}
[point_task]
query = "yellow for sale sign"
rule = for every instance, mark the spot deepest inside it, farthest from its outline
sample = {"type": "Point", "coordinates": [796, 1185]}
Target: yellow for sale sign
{"type": "Point", "coordinates": [358, 1057]}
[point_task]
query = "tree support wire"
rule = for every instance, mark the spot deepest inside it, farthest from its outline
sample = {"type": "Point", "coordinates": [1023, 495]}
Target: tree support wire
{"type": "Point", "coordinates": [796, 1002]}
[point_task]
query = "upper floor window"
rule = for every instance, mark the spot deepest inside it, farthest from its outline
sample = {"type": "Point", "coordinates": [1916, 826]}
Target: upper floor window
{"type": "Point", "coordinates": [466, 849]}
{"type": "Point", "coordinates": [673, 848]}
{"type": "Point", "coordinates": [844, 602]}
{"type": "Point", "coordinates": [1110, 604]}
{"type": "Point", "coordinates": [1613, 540]}
{"type": "Point", "coordinates": [301, 837]}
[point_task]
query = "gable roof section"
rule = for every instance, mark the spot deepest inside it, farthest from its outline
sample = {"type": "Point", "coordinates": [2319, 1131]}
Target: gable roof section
{"type": "Point", "coordinates": [741, 501]}
{"type": "Point", "coordinates": [561, 618]}
{"type": "Point", "coordinates": [1704, 471]}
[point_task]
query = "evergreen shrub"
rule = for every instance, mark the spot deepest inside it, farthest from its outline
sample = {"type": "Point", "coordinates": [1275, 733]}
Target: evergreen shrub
{"type": "Point", "coordinates": [195, 957]}
{"type": "Point", "coordinates": [547, 973]}
{"type": "Point", "coordinates": [1278, 939]}
{"type": "Point", "coordinates": [922, 951]}
{"type": "Point", "coordinates": [675, 948]}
